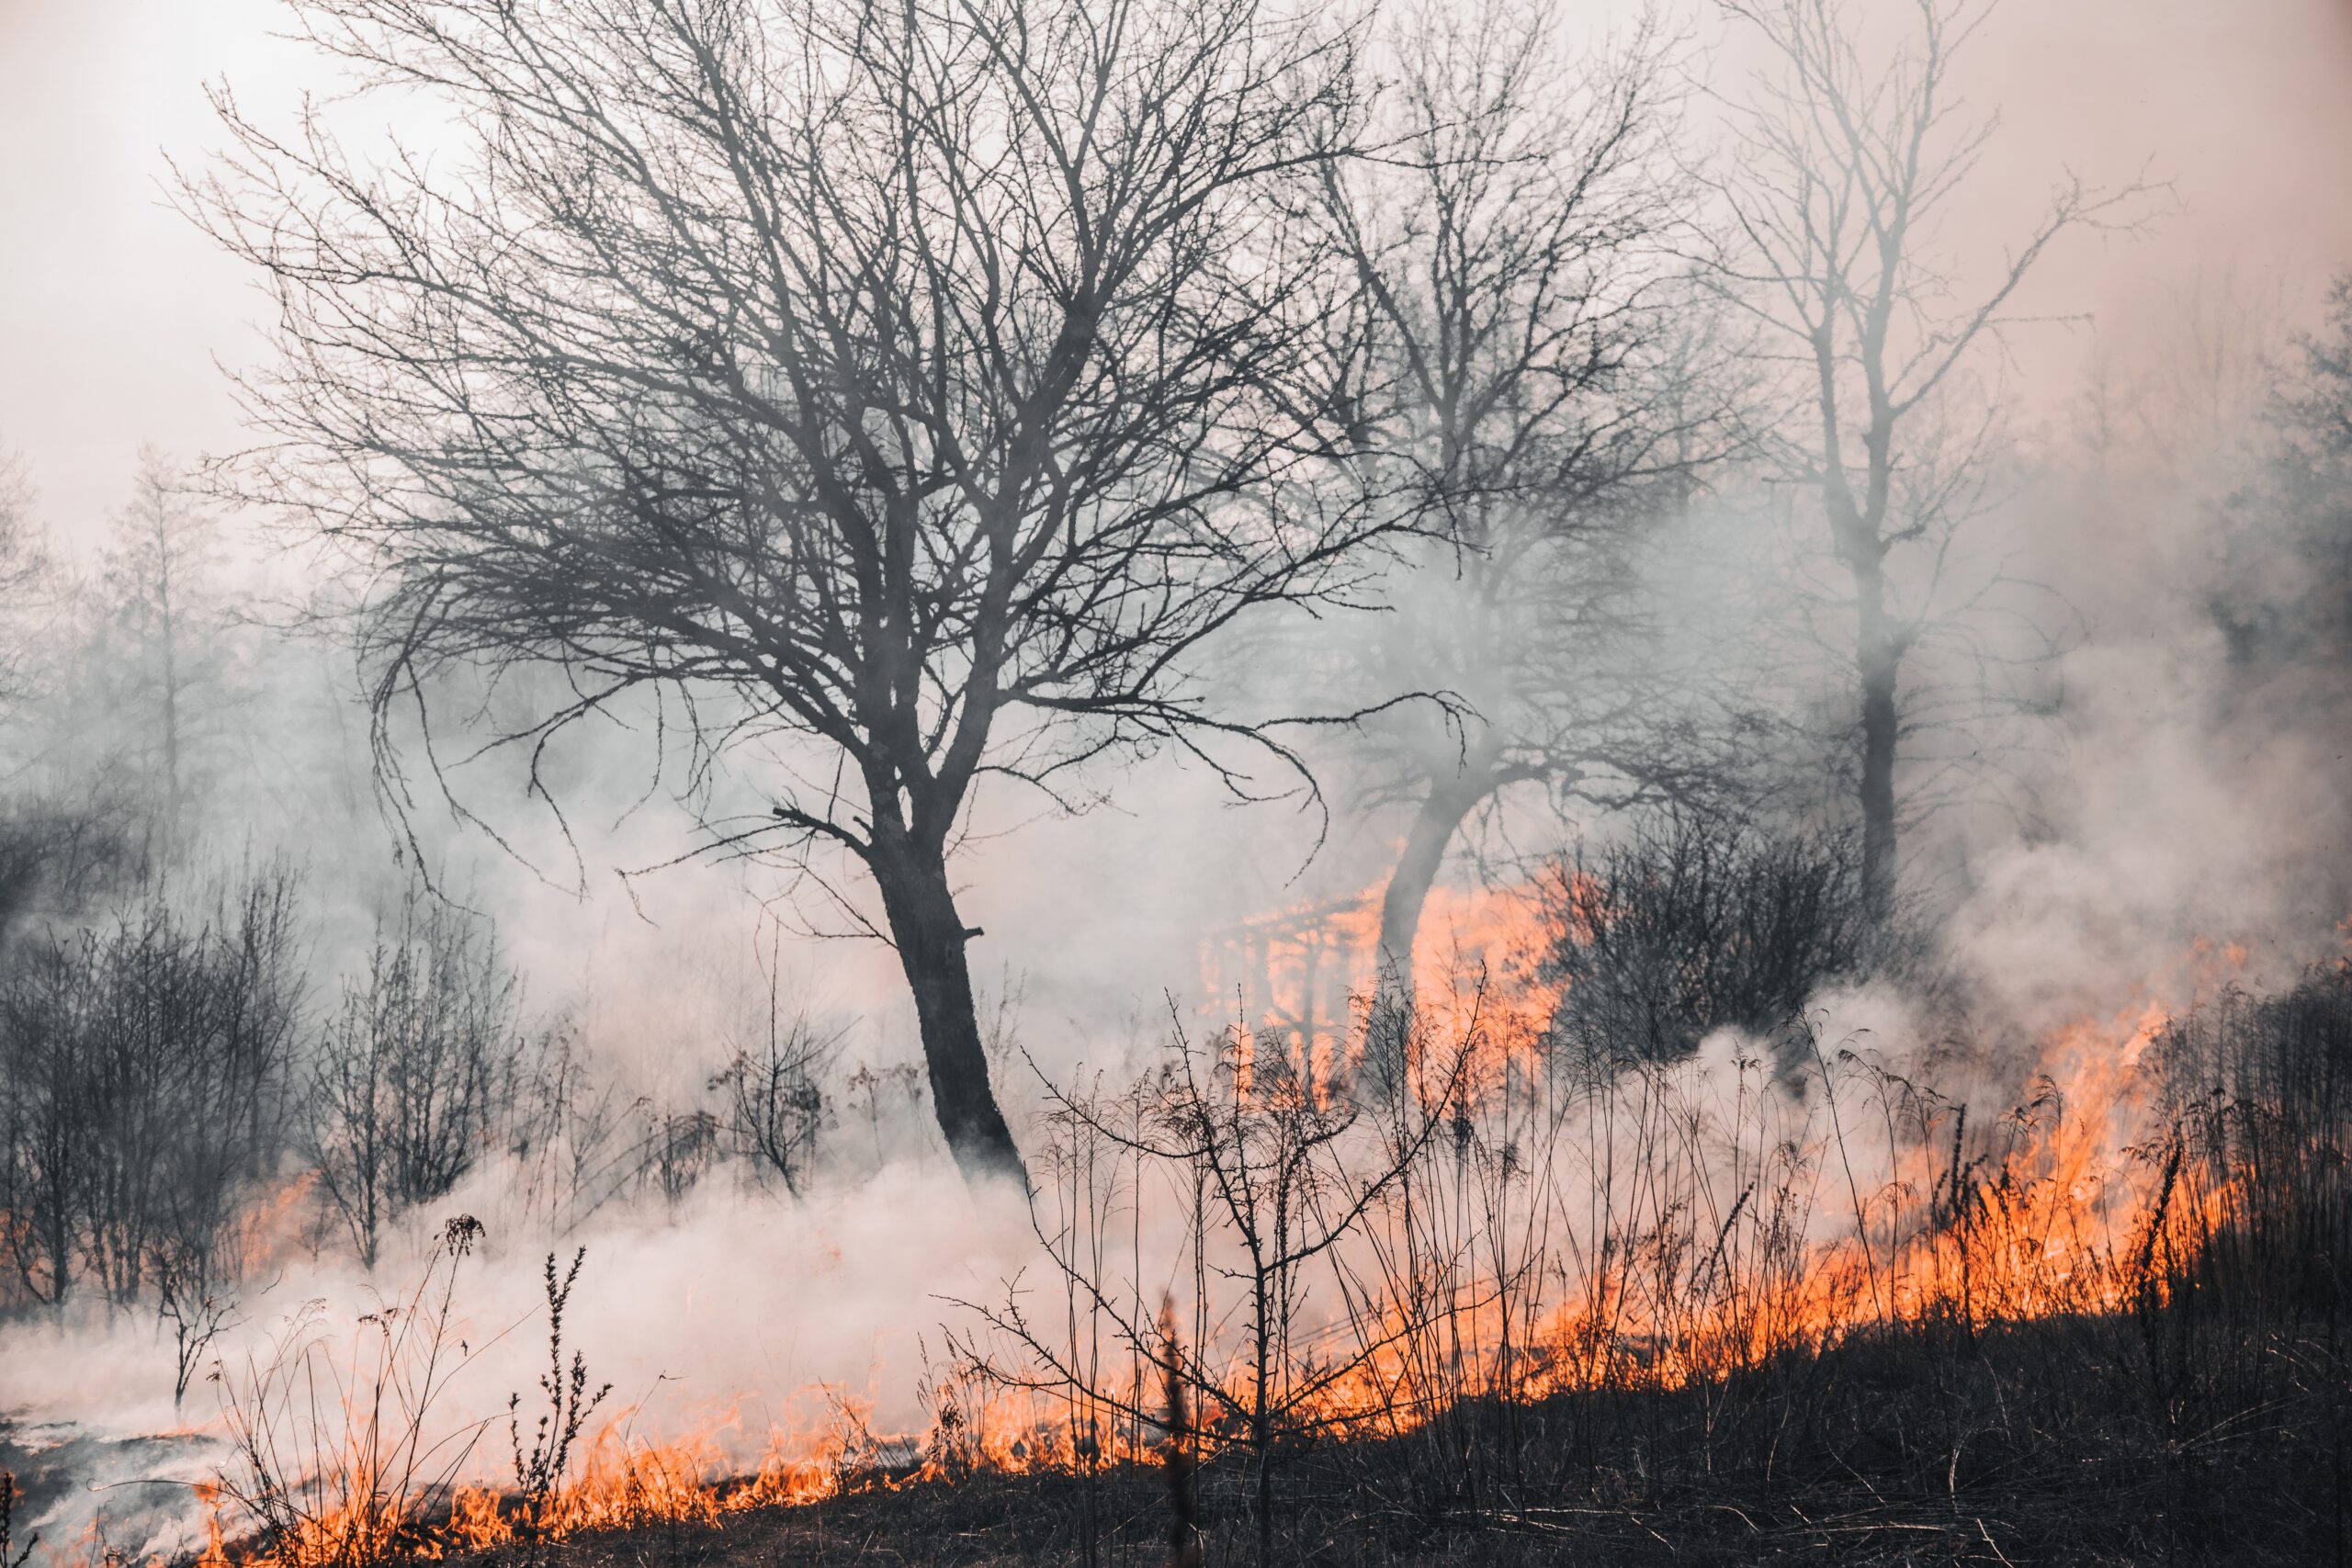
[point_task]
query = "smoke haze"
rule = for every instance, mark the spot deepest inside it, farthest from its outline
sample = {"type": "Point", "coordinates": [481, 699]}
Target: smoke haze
{"type": "Point", "coordinates": [2176, 823]}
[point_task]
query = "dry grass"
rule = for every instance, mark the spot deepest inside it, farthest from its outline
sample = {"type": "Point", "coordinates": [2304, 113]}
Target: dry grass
{"type": "Point", "coordinates": [1660, 1313]}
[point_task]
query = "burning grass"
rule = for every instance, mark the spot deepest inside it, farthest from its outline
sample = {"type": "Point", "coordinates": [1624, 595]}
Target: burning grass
{"type": "Point", "coordinates": [1708, 1310]}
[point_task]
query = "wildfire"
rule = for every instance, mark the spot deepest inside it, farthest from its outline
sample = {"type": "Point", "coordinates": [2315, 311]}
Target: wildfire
{"type": "Point", "coordinates": [1726, 1210]}
{"type": "Point", "coordinates": [626, 1482]}
{"type": "Point", "coordinates": [1302, 976]}
{"type": "Point", "coordinates": [2057, 1212]}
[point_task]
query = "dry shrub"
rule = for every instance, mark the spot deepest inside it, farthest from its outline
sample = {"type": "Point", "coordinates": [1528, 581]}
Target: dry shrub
{"type": "Point", "coordinates": [350, 1462]}
{"type": "Point", "coordinates": [414, 1079]}
{"type": "Point", "coordinates": [1694, 924]}
{"type": "Point", "coordinates": [145, 1070]}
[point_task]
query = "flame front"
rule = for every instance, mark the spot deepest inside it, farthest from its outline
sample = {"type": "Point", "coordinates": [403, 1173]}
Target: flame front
{"type": "Point", "coordinates": [1561, 1229]}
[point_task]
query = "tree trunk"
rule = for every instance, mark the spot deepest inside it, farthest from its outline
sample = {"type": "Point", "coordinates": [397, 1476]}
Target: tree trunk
{"type": "Point", "coordinates": [1434, 825]}
{"type": "Point", "coordinates": [1877, 656]}
{"type": "Point", "coordinates": [930, 936]}
{"type": "Point", "coordinates": [1265, 1497]}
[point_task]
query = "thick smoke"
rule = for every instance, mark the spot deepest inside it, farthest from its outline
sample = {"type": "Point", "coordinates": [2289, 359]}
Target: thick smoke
{"type": "Point", "coordinates": [2177, 809]}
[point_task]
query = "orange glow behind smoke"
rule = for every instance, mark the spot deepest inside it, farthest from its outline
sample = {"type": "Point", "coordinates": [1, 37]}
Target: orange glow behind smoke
{"type": "Point", "coordinates": [2066, 1223]}
{"type": "Point", "coordinates": [2066, 1218]}
{"type": "Point", "coordinates": [1300, 977]}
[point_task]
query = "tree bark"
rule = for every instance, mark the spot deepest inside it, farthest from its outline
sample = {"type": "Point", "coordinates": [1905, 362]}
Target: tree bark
{"type": "Point", "coordinates": [1262, 1433]}
{"type": "Point", "coordinates": [931, 936]}
{"type": "Point", "coordinates": [1878, 658]}
{"type": "Point", "coordinates": [1434, 825]}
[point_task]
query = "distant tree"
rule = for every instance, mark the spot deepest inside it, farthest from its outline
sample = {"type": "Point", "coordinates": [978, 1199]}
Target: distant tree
{"type": "Point", "coordinates": [1841, 170]}
{"type": "Point", "coordinates": [1529, 397]}
{"type": "Point", "coordinates": [2284, 598]}
{"type": "Point", "coordinates": [905, 388]}
{"type": "Point", "coordinates": [161, 648]}
{"type": "Point", "coordinates": [26, 574]}
{"type": "Point", "coordinates": [145, 1070]}
{"type": "Point", "coordinates": [63, 845]}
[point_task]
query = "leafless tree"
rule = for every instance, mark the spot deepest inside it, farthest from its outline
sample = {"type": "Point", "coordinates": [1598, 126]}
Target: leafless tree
{"type": "Point", "coordinates": [62, 854]}
{"type": "Point", "coordinates": [570, 1133]}
{"type": "Point", "coordinates": [773, 1105]}
{"type": "Point", "coordinates": [46, 1173]}
{"type": "Point", "coordinates": [1841, 171]}
{"type": "Point", "coordinates": [414, 1080]}
{"type": "Point", "coordinates": [1529, 395]}
{"type": "Point", "coordinates": [144, 1072]}
{"type": "Point", "coordinates": [2284, 600]}
{"type": "Point", "coordinates": [905, 388]}
{"type": "Point", "coordinates": [164, 640]}
{"type": "Point", "coordinates": [76, 830]}
{"type": "Point", "coordinates": [1276, 1172]}
{"type": "Point", "coordinates": [677, 1150]}
{"type": "Point", "coordinates": [25, 570]}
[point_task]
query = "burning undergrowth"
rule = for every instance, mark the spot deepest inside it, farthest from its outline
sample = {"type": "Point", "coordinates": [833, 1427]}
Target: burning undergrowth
{"type": "Point", "coordinates": [808, 438]}
{"type": "Point", "coordinates": [1523, 1281]}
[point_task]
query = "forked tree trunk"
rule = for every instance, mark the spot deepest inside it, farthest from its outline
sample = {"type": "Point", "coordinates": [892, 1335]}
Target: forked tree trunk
{"type": "Point", "coordinates": [1434, 825]}
{"type": "Point", "coordinates": [921, 907]}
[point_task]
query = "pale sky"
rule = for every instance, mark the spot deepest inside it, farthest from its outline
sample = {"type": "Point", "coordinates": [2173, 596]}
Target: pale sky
{"type": "Point", "coordinates": [113, 309]}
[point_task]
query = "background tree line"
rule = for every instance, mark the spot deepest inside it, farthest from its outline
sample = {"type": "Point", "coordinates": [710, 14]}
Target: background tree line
{"type": "Point", "coordinates": [910, 396]}
{"type": "Point", "coordinates": [889, 399]}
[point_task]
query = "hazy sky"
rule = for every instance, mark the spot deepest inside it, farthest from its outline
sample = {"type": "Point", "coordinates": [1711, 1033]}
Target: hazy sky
{"type": "Point", "coordinates": [113, 309]}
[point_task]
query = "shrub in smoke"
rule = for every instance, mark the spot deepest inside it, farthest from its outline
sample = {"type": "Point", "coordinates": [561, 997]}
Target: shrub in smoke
{"type": "Point", "coordinates": [193, 1286]}
{"type": "Point", "coordinates": [415, 1078]}
{"type": "Point", "coordinates": [59, 861]}
{"type": "Point", "coordinates": [1696, 924]}
{"type": "Point", "coordinates": [679, 1148]}
{"type": "Point", "coordinates": [773, 1106]}
{"type": "Point", "coordinates": [580, 1143]}
{"type": "Point", "coordinates": [144, 1075]}
{"type": "Point", "coordinates": [568, 1137]}
{"type": "Point", "coordinates": [883, 1094]}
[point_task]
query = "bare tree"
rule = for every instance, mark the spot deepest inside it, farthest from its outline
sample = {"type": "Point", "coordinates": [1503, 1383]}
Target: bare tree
{"type": "Point", "coordinates": [1842, 168]}
{"type": "Point", "coordinates": [1525, 398]}
{"type": "Point", "coordinates": [2284, 596]}
{"type": "Point", "coordinates": [47, 1174]}
{"type": "Point", "coordinates": [1275, 1171]}
{"type": "Point", "coordinates": [25, 570]}
{"type": "Point", "coordinates": [774, 1107]}
{"type": "Point", "coordinates": [902, 388]}
{"type": "Point", "coordinates": [63, 842]}
{"type": "Point", "coordinates": [144, 1090]}
{"type": "Point", "coordinates": [415, 1078]}
{"type": "Point", "coordinates": [166, 626]}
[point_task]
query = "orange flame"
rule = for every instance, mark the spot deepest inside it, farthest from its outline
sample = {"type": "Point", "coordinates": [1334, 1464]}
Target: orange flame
{"type": "Point", "coordinates": [1784, 1218]}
